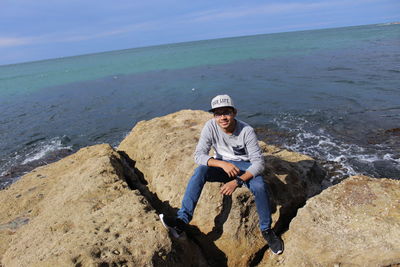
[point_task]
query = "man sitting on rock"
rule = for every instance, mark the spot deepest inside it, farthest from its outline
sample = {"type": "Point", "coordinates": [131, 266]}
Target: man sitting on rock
{"type": "Point", "coordinates": [238, 160]}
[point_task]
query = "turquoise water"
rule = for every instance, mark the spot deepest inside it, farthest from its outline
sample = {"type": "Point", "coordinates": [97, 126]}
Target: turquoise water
{"type": "Point", "coordinates": [24, 78]}
{"type": "Point", "coordinates": [333, 94]}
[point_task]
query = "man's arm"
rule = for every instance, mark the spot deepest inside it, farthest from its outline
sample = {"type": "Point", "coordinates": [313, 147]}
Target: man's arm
{"type": "Point", "coordinates": [255, 154]}
{"type": "Point", "coordinates": [256, 167]}
{"type": "Point", "coordinates": [230, 187]}
{"type": "Point", "coordinates": [203, 147]}
{"type": "Point", "coordinates": [228, 167]}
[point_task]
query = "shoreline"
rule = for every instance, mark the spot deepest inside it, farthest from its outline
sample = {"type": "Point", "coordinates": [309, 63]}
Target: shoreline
{"type": "Point", "coordinates": [336, 170]}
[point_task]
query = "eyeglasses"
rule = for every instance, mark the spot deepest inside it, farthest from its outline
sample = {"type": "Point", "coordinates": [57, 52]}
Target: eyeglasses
{"type": "Point", "coordinates": [223, 113]}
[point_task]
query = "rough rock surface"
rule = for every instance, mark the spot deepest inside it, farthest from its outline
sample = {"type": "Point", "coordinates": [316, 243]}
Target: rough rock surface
{"type": "Point", "coordinates": [354, 223]}
{"type": "Point", "coordinates": [98, 207]}
{"type": "Point", "coordinates": [225, 227]}
{"type": "Point", "coordinates": [80, 211]}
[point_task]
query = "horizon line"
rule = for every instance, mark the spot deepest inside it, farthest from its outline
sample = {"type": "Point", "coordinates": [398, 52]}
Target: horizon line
{"type": "Point", "coordinates": [194, 41]}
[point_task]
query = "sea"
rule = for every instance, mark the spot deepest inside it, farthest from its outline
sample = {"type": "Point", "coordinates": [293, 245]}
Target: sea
{"type": "Point", "coordinates": [333, 94]}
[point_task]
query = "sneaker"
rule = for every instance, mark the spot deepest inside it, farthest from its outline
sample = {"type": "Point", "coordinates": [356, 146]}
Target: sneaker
{"type": "Point", "coordinates": [174, 225]}
{"type": "Point", "coordinates": [274, 242]}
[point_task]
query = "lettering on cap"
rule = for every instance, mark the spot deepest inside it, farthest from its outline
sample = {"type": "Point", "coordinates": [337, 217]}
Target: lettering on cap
{"type": "Point", "coordinates": [221, 101]}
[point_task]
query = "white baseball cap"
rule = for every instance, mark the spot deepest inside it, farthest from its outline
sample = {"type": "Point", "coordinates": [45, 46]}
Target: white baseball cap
{"type": "Point", "coordinates": [221, 101]}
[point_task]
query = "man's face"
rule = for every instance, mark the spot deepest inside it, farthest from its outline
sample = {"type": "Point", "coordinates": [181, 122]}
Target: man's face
{"type": "Point", "coordinates": [225, 117]}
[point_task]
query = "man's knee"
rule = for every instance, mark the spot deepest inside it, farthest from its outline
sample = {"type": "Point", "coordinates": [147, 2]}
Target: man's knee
{"type": "Point", "coordinates": [200, 172]}
{"type": "Point", "coordinates": [201, 169]}
{"type": "Point", "coordinates": [258, 185]}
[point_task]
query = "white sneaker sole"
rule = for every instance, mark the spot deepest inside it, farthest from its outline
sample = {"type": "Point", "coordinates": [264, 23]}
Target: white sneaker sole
{"type": "Point", "coordinates": [279, 251]}
{"type": "Point", "coordinates": [170, 229]}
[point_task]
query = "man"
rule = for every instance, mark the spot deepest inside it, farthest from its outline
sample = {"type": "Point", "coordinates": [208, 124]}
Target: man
{"type": "Point", "coordinates": [238, 161]}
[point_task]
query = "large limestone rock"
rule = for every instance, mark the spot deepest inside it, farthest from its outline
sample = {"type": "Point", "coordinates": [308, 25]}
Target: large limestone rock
{"type": "Point", "coordinates": [354, 223]}
{"type": "Point", "coordinates": [226, 228]}
{"type": "Point", "coordinates": [100, 207]}
{"type": "Point", "coordinates": [80, 211]}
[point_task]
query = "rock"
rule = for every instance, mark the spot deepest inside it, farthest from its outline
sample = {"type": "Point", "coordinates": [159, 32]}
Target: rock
{"type": "Point", "coordinates": [99, 207]}
{"type": "Point", "coordinates": [84, 214]}
{"type": "Point", "coordinates": [226, 228]}
{"type": "Point", "coordinates": [354, 223]}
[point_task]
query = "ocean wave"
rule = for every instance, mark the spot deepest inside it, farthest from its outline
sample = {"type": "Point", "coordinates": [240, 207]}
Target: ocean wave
{"type": "Point", "coordinates": [44, 148]}
{"type": "Point", "coordinates": [338, 69]}
{"type": "Point", "coordinates": [340, 158]}
{"type": "Point", "coordinates": [345, 81]}
{"type": "Point", "coordinates": [32, 155]}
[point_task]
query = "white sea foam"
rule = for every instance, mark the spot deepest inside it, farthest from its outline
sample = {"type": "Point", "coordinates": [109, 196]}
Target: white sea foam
{"type": "Point", "coordinates": [391, 157]}
{"type": "Point", "coordinates": [44, 149]}
{"type": "Point", "coordinates": [342, 158]}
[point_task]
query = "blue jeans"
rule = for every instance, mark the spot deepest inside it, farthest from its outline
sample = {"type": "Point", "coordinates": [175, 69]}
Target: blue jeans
{"type": "Point", "coordinates": [204, 174]}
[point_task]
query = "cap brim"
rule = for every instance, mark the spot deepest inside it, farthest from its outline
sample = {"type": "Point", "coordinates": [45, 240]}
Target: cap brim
{"type": "Point", "coordinates": [212, 110]}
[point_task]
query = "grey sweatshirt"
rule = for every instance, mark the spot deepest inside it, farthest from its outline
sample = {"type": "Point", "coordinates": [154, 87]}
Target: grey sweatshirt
{"type": "Point", "coordinates": [242, 145]}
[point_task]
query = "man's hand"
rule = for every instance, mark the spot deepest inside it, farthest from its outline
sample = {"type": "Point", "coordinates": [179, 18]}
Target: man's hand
{"type": "Point", "coordinates": [230, 168]}
{"type": "Point", "coordinates": [229, 188]}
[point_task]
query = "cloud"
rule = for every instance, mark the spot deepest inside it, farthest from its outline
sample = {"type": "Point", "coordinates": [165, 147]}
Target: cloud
{"type": "Point", "coordinates": [265, 9]}
{"type": "Point", "coordinates": [14, 41]}
{"type": "Point", "coordinates": [196, 19]}
{"type": "Point", "coordinates": [270, 9]}
{"type": "Point", "coordinates": [145, 26]}
{"type": "Point", "coordinates": [74, 37]}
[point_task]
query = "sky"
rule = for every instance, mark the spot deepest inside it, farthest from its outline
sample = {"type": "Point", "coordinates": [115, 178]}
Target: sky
{"type": "Point", "coordinates": [33, 30]}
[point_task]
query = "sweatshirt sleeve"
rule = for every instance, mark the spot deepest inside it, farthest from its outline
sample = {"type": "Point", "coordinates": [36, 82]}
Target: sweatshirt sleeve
{"type": "Point", "coordinates": [254, 151]}
{"type": "Point", "coordinates": [203, 147]}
